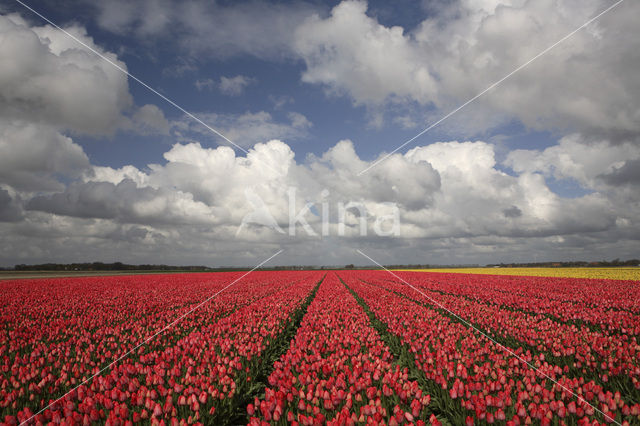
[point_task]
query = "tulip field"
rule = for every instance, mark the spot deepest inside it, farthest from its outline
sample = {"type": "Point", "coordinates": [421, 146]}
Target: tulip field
{"type": "Point", "coordinates": [320, 347]}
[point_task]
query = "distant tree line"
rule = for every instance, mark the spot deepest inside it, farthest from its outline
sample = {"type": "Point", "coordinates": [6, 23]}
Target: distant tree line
{"type": "Point", "coordinates": [119, 266]}
{"type": "Point", "coordinates": [425, 266]}
{"type": "Point", "coordinates": [100, 266]}
{"type": "Point", "coordinates": [573, 264]}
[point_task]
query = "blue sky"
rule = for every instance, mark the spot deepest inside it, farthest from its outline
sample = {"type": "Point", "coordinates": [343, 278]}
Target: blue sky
{"type": "Point", "coordinates": [547, 143]}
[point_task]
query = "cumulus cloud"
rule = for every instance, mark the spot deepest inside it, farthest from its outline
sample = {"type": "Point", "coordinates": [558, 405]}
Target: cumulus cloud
{"type": "Point", "coordinates": [234, 86]}
{"type": "Point", "coordinates": [477, 199]}
{"type": "Point", "coordinates": [51, 87]}
{"type": "Point", "coordinates": [206, 187]}
{"type": "Point", "coordinates": [407, 183]}
{"type": "Point", "coordinates": [606, 169]}
{"type": "Point", "coordinates": [451, 197]}
{"type": "Point", "coordinates": [124, 202]}
{"type": "Point", "coordinates": [51, 79]}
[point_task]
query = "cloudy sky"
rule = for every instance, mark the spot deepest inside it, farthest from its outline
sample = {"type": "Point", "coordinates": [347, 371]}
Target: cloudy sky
{"type": "Point", "coordinates": [95, 166]}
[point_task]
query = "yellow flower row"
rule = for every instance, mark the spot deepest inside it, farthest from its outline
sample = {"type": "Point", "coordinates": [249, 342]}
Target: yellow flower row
{"type": "Point", "coordinates": [631, 274]}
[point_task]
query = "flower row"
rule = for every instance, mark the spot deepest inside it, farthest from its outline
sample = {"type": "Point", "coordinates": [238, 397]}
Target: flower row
{"type": "Point", "coordinates": [339, 371]}
{"type": "Point", "coordinates": [188, 372]}
{"type": "Point", "coordinates": [610, 305]}
{"type": "Point", "coordinates": [488, 383]}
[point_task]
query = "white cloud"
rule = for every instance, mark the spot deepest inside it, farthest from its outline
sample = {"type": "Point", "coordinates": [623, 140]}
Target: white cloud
{"type": "Point", "coordinates": [575, 158]}
{"type": "Point", "coordinates": [352, 53]}
{"type": "Point", "coordinates": [149, 119]}
{"type": "Point", "coordinates": [115, 176]}
{"type": "Point", "coordinates": [234, 86]}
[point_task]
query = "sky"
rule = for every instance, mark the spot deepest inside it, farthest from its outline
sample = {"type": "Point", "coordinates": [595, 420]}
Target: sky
{"type": "Point", "coordinates": [218, 133]}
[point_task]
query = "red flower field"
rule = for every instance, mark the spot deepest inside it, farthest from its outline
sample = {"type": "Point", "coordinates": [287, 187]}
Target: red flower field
{"type": "Point", "coordinates": [317, 347]}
